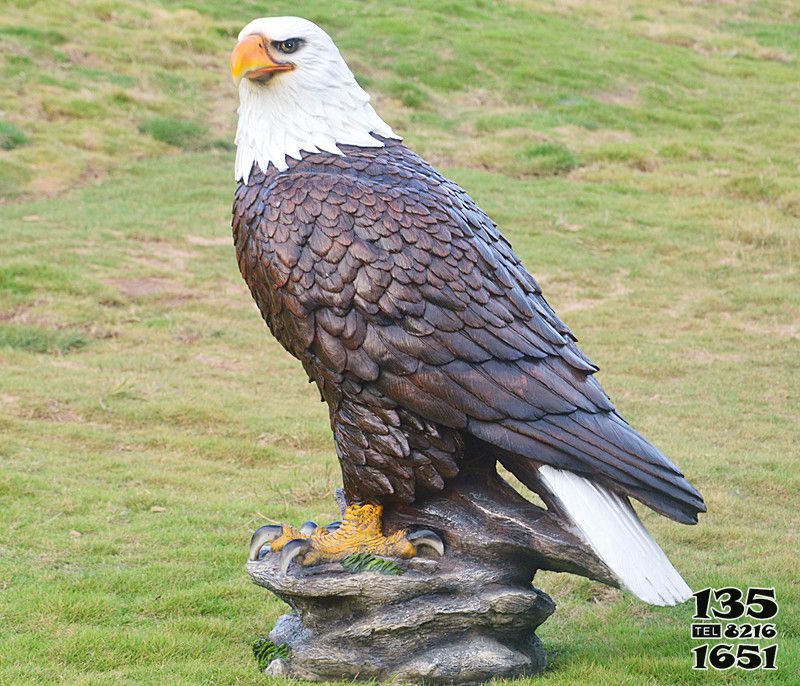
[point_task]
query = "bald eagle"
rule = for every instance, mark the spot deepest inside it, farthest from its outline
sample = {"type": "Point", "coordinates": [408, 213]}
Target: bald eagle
{"type": "Point", "coordinates": [428, 339]}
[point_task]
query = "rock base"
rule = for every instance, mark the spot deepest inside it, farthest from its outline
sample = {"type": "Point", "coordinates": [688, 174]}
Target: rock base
{"type": "Point", "coordinates": [466, 618]}
{"type": "Point", "coordinates": [441, 622]}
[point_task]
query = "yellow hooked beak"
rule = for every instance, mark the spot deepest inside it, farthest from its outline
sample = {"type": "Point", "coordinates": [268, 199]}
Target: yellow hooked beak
{"type": "Point", "coordinates": [251, 59]}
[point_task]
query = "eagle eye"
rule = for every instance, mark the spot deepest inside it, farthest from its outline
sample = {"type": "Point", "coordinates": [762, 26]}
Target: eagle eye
{"type": "Point", "coordinates": [289, 45]}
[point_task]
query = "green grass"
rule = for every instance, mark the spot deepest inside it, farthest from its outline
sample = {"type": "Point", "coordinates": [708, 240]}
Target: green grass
{"type": "Point", "coordinates": [38, 340]}
{"type": "Point", "coordinates": [265, 651]}
{"type": "Point", "coordinates": [543, 159]}
{"type": "Point", "coordinates": [11, 136]}
{"type": "Point", "coordinates": [364, 562]}
{"type": "Point", "coordinates": [672, 250]}
{"type": "Point", "coordinates": [177, 132]}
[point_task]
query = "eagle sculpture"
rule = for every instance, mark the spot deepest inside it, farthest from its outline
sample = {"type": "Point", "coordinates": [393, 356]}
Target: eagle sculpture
{"type": "Point", "coordinates": [429, 341]}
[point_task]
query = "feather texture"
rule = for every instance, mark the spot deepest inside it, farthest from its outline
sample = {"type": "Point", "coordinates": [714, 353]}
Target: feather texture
{"type": "Point", "coordinates": [608, 523]}
{"type": "Point", "coordinates": [399, 294]}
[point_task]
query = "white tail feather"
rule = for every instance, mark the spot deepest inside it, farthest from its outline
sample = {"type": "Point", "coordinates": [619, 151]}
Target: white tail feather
{"type": "Point", "coordinates": [611, 527]}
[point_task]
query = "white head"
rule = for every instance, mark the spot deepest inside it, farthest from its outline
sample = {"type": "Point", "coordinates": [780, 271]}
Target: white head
{"type": "Point", "coordinates": [296, 94]}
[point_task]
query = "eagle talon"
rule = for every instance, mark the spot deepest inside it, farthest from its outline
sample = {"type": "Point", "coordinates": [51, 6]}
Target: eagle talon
{"type": "Point", "coordinates": [425, 538]}
{"type": "Point", "coordinates": [308, 528]}
{"type": "Point", "coordinates": [297, 548]}
{"type": "Point", "coordinates": [261, 536]}
{"type": "Point", "coordinates": [359, 531]}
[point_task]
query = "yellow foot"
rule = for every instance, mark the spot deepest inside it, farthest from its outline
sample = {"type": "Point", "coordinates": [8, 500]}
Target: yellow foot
{"type": "Point", "coordinates": [360, 531]}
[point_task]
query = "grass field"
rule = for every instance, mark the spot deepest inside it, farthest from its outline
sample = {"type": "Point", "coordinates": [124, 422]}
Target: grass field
{"type": "Point", "coordinates": [643, 157]}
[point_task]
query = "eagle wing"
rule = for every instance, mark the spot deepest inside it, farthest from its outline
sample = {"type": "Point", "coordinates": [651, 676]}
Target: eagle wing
{"type": "Point", "coordinates": [412, 288]}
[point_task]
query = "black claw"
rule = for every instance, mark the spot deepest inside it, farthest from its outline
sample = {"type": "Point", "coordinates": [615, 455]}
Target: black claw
{"type": "Point", "coordinates": [425, 538]}
{"type": "Point", "coordinates": [308, 528]}
{"type": "Point", "coordinates": [333, 526]}
{"type": "Point", "coordinates": [296, 548]}
{"type": "Point", "coordinates": [263, 535]}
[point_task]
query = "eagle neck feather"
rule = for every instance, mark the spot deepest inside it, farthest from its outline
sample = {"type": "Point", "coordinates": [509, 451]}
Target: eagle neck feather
{"type": "Point", "coordinates": [291, 116]}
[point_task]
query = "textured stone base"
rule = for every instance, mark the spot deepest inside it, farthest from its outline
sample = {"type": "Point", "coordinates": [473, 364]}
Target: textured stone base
{"type": "Point", "coordinates": [465, 618]}
{"type": "Point", "coordinates": [440, 622]}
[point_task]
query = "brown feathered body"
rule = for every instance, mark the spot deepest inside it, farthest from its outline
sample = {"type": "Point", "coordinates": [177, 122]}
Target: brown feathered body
{"type": "Point", "coordinates": [428, 339]}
